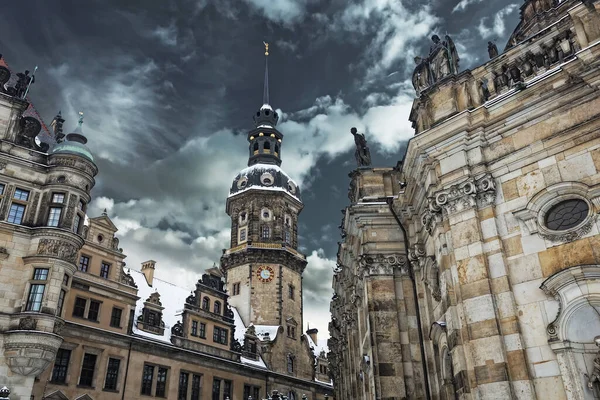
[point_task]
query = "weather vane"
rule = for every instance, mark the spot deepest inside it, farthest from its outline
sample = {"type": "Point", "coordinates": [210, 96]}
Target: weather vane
{"type": "Point", "coordinates": [266, 48]}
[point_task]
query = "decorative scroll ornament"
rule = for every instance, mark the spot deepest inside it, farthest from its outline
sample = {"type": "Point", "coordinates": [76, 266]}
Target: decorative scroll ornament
{"type": "Point", "coordinates": [177, 329]}
{"type": "Point", "coordinates": [379, 264]}
{"type": "Point", "coordinates": [463, 196]}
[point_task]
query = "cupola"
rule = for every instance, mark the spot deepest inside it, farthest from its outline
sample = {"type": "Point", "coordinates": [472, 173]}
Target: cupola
{"type": "Point", "coordinates": [75, 143]}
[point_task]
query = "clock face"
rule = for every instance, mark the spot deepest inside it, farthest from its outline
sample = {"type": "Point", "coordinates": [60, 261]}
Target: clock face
{"type": "Point", "coordinates": [265, 273]}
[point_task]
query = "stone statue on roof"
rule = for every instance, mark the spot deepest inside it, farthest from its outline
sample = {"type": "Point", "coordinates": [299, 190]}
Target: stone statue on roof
{"type": "Point", "coordinates": [422, 77]}
{"type": "Point", "coordinates": [23, 82]}
{"type": "Point", "coordinates": [362, 153]}
{"type": "Point", "coordinates": [492, 50]}
{"type": "Point", "coordinates": [443, 57]}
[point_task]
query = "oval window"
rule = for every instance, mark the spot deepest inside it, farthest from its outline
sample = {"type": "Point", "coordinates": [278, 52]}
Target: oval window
{"type": "Point", "coordinates": [567, 214]}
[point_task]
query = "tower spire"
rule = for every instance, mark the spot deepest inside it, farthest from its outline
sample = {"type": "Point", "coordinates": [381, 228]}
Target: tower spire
{"type": "Point", "coordinates": [266, 86]}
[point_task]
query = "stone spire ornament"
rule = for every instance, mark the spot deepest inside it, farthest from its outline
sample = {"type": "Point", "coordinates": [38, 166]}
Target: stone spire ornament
{"type": "Point", "coordinates": [266, 84]}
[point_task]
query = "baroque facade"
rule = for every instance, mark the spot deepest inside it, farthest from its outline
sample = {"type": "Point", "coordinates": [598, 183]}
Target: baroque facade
{"type": "Point", "coordinates": [76, 323]}
{"type": "Point", "coordinates": [471, 270]}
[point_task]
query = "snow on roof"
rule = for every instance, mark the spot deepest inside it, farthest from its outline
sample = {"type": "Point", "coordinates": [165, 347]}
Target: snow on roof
{"type": "Point", "coordinates": [264, 330]}
{"type": "Point", "coordinates": [317, 348]}
{"type": "Point", "coordinates": [172, 298]}
{"type": "Point", "coordinates": [261, 167]}
{"type": "Point", "coordinates": [272, 188]}
{"type": "Point", "coordinates": [240, 330]}
{"type": "Point", "coordinates": [266, 106]}
{"type": "Point", "coordinates": [265, 126]}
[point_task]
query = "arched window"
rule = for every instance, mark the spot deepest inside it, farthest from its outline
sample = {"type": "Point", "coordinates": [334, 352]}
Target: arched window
{"type": "Point", "coordinates": [255, 147]}
{"type": "Point", "coordinates": [265, 233]}
{"type": "Point", "coordinates": [267, 146]}
{"type": "Point", "coordinates": [290, 363]}
{"type": "Point", "coordinates": [205, 303]}
{"type": "Point", "coordinates": [277, 148]}
{"type": "Point", "coordinates": [217, 307]}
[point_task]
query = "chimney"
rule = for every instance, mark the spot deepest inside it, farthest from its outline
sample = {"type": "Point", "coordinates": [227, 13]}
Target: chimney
{"type": "Point", "coordinates": [312, 332]}
{"type": "Point", "coordinates": [148, 270]}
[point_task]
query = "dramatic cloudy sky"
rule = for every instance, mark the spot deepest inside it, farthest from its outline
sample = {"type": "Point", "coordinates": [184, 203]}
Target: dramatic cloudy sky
{"type": "Point", "coordinates": [169, 87]}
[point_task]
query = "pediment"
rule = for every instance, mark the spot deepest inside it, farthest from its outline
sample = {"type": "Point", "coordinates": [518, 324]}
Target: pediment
{"type": "Point", "coordinates": [291, 321]}
{"type": "Point", "coordinates": [57, 395]}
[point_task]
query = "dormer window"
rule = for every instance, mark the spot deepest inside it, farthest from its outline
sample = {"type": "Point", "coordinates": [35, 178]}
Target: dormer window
{"type": "Point", "coordinates": [217, 308]}
{"type": "Point", "coordinates": [151, 318]}
{"type": "Point", "coordinates": [205, 303]}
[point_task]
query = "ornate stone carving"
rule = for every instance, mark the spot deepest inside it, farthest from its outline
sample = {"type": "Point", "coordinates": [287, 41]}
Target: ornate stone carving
{"type": "Point", "coordinates": [570, 235]}
{"type": "Point", "coordinates": [58, 327]}
{"type": "Point", "coordinates": [8, 193]}
{"type": "Point", "coordinates": [593, 380]}
{"type": "Point", "coordinates": [465, 195]}
{"type": "Point", "coordinates": [380, 264]}
{"type": "Point", "coordinates": [177, 329]}
{"type": "Point", "coordinates": [3, 253]}
{"type": "Point", "coordinates": [27, 324]}
{"type": "Point", "coordinates": [57, 248]}
{"type": "Point", "coordinates": [31, 212]}
{"type": "Point", "coordinates": [154, 298]}
{"type": "Point", "coordinates": [64, 162]}
{"type": "Point", "coordinates": [127, 279]}
{"type": "Point", "coordinates": [67, 221]}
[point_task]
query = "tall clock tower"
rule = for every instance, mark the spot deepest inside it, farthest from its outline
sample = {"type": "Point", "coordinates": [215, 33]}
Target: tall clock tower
{"type": "Point", "coordinates": [263, 266]}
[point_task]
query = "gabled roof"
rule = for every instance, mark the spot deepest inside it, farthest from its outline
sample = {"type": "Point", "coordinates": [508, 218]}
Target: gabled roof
{"type": "Point", "coordinates": [105, 221]}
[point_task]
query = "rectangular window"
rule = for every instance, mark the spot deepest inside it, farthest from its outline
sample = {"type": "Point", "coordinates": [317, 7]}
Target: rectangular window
{"type": "Point", "coordinates": [76, 223]}
{"type": "Point", "coordinates": [288, 237]}
{"type": "Point", "coordinates": [61, 366]}
{"type": "Point", "coordinates": [40, 274]}
{"type": "Point", "coordinates": [54, 216]}
{"type": "Point", "coordinates": [94, 310]}
{"type": "Point", "coordinates": [264, 232]}
{"type": "Point", "coordinates": [112, 374]}
{"type": "Point", "coordinates": [220, 335]}
{"type": "Point", "coordinates": [256, 393]}
{"type": "Point", "coordinates": [291, 292]}
{"type": "Point", "coordinates": [21, 194]}
{"type": "Point", "coordinates": [250, 390]}
{"type": "Point", "coordinates": [65, 280]}
{"type": "Point", "coordinates": [2, 189]}
{"type": "Point", "coordinates": [202, 332]}
{"type": "Point", "coordinates": [243, 235]}
{"type": "Point", "coordinates": [183, 386]}
{"type": "Point", "coordinates": [15, 214]}
{"type": "Point", "coordinates": [84, 263]}
{"type": "Point", "coordinates": [226, 390]}
{"type": "Point", "coordinates": [61, 302]}
{"type": "Point", "coordinates": [161, 382]}
{"type": "Point", "coordinates": [34, 300]}
{"type": "Point", "coordinates": [216, 389]}
{"type": "Point", "coordinates": [104, 269]}
{"type": "Point", "coordinates": [58, 198]}
{"type": "Point", "coordinates": [196, 384]}
{"type": "Point", "coordinates": [87, 370]}
{"type": "Point", "coordinates": [115, 317]}
{"type": "Point", "coordinates": [79, 308]}
{"type": "Point", "coordinates": [81, 205]}
{"type": "Point", "coordinates": [147, 378]}
{"type": "Point", "coordinates": [236, 289]}
{"type": "Point", "coordinates": [194, 328]}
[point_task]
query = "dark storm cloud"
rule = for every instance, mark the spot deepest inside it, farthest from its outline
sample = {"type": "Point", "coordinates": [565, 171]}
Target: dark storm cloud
{"type": "Point", "coordinates": [169, 87]}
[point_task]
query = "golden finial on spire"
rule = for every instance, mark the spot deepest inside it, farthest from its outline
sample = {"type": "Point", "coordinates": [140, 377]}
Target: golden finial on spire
{"type": "Point", "coordinates": [266, 48]}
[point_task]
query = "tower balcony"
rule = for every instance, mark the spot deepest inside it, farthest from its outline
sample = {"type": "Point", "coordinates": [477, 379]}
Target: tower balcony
{"type": "Point", "coordinates": [252, 252]}
{"type": "Point", "coordinates": [30, 352]}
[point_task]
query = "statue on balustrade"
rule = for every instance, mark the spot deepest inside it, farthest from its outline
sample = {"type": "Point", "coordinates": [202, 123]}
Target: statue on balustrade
{"type": "Point", "coordinates": [442, 61]}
